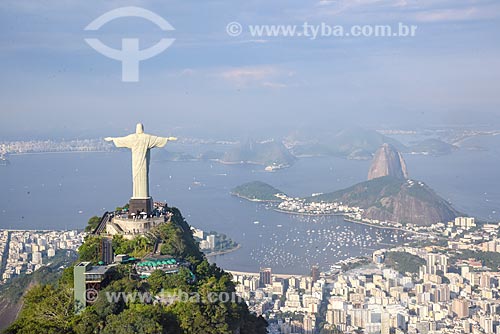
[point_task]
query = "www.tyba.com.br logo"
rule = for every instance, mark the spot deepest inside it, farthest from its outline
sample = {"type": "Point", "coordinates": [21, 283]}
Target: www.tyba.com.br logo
{"type": "Point", "coordinates": [130, 55]}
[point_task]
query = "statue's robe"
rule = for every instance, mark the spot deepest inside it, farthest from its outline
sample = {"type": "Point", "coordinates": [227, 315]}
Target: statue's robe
{"type": "Point", "coordinates": [140, 144]}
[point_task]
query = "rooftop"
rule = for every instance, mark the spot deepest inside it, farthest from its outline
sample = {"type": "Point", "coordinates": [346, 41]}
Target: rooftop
{"type": "Point", "coordinates": [98, 270]}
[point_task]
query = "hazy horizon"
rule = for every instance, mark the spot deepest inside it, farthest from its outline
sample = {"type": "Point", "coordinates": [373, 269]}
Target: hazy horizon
{"type": "Point", "coordinates": [210, 83]}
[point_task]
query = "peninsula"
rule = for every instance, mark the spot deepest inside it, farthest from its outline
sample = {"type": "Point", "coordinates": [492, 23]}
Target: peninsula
{"type": "Point", "coordinates": [258, 191]}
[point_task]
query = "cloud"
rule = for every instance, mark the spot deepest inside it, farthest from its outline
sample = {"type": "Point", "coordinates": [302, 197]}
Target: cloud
{"type": "Point", "coordinates": [187, 72]}
{"type": "Point", "coordinates": [460, 14]}
{"type": "Point", "coordinates": [263, 76]}
{"type": "Point", "coordinates": [248, 73]}
{"type": "Point", "coordinates": [274, 84]}
{"type": "Point", "coordinates": [363, 10]}
{"type": "Point", "coordinates": [257, 41]}
{"type": "Point", "coordinates": [418, 10]}
{"type": "Point", "coordinates": [339, 6]}
{"type": "Point", "coordinates": [326, 2]}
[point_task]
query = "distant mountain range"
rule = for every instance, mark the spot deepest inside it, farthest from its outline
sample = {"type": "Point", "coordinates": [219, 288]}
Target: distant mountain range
{"type": "Point", "coordinates": [351, 143]}
{"type": "Point", "coordinates": [269, 152]}
{"type": "Point", "coordinates": [164, 155]}
{"type": "Point", "coordinates": [359, 143]}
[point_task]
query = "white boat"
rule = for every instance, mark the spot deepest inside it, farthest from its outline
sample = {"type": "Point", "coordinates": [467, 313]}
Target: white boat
{"type": "Point", "coordinates": [3, 160]}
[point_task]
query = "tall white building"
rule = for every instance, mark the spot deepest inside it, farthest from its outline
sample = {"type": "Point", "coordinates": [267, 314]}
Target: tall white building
{"type": "Point", "coordinates": [51, 252]}
{"type": "Point", "coordinates": [211, 241]}
{"type": "Point", "coordinates": [465, 222]}
{"type": "Point", "coordinates": [436, 262]}
{"type": "Point", "coordinates": [385, 322]}
{"type": "Point", "coordinates": [37, 258]}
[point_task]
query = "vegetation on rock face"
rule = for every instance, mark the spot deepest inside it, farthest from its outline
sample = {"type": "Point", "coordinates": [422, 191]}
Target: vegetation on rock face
{"type": "Point", "coordinates": [403, 262]}
{"type": "Point", "coordinates": [488, 259]}
{"type": "Point", "coordinates": [89, 250]}
{"type": "Point", "coordinates": [257, 190]}
{"type": "Point", "coordinates": [138, 247]}
{"type": "Point", "coordinates": [355, 265]}
{"type": "Point", "coordinates": [14, 288]}
{"type": "Point", "coordinates": [392, 199]}
{"type": "Point", "coordinates": [48, 308]}
{"type": "Point", "coordinates": [177, 238]}
{"type": "Point", "coordinates": [92, 224]}
{"type": "Point", "coordinates": [12, 292]}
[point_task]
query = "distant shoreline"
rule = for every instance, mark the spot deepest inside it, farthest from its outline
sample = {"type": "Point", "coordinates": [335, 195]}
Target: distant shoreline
{"type": "Point", "coordinates": [41, 230]}
{"type": "Point", "coordinates": [255, 199]}
{"type": "Point", "coordinates": [252, 163]}
{"type": "Point", "coordinates": [345, 216]}
{"type": "Point", "coordinates": [56, 152]}
{"type": "Point", "coordinates": [309, 214]}
{"type": "Point", "coordinates": [245, 273]}
{"type": "Point", "coordinates": [347, 219]}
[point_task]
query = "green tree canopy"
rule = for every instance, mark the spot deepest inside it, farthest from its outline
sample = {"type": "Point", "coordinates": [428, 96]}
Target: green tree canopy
{"type": "Point", "coordinates": [92, 224]}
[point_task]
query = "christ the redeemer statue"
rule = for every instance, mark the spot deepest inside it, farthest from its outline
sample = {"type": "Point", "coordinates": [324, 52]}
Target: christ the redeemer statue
{"type": "Point", "coordinates": [140, 144]}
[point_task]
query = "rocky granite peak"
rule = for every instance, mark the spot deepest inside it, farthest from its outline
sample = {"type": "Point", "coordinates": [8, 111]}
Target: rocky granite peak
{"type": "Point", "coordinates": [388, 162]}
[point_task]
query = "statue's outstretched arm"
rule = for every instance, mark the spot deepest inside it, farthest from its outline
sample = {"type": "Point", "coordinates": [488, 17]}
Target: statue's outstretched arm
{"type": "Point", "coordinates": [121, 141]}
{"type": "Point", "coordinates": [155, 141]}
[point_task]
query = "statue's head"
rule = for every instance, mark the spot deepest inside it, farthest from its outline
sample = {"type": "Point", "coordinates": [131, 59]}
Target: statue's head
{"type": "Point", "coordinates": [139, 128]}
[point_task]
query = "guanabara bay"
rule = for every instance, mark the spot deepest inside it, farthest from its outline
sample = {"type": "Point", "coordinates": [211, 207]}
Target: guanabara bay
{"type": "Point", "coordinates": [250, 167]}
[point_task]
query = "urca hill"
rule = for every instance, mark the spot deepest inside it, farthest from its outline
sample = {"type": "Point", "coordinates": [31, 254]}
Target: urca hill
{"type": "Point", "coordinates": [391, 196]}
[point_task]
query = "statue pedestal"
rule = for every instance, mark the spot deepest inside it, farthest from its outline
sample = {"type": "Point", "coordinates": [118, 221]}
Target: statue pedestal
{"type": "Point", "coordinates": [138, 205]}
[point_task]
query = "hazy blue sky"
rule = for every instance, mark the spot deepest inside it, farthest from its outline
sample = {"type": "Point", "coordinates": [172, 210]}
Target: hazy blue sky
{"type": "Point", "coordinates": [209, 82]}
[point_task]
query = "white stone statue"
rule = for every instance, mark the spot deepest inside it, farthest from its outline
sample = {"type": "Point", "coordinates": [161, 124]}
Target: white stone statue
{"type": "Point", "coordinates": [140, 144]}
